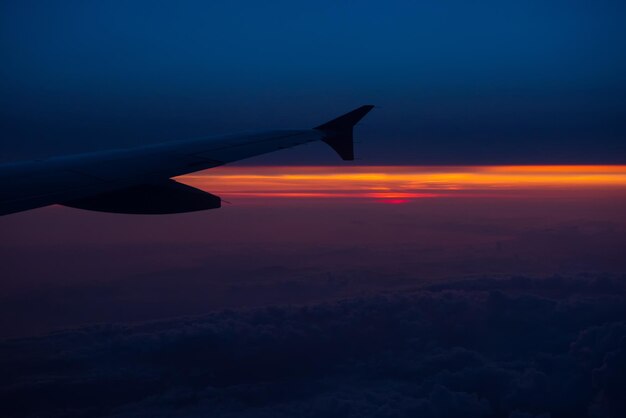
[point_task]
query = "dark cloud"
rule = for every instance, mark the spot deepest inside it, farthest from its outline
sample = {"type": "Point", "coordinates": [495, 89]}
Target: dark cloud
{"type": "Point", "coordinates": [513, 347]}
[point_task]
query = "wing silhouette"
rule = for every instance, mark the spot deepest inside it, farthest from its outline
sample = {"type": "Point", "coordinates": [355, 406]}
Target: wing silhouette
{"type": "Point", "coordinates": [138, 180]}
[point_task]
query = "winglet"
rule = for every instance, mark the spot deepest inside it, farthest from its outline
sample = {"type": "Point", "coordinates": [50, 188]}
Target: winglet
{"type": "Point", "coordinates": [338, 132]}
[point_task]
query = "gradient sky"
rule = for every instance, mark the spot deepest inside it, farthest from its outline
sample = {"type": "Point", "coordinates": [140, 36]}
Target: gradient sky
{"type": "Point", "coordinates": [303, 234]}
{"type": "Point", "coordinates": [469, 263]}
{"type": "Point", "coordinates": [456, 82]}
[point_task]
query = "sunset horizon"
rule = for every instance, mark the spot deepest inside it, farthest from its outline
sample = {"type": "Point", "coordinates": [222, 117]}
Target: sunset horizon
{"type": "Point", "coordinates": [405, 182]}
{"type": "Point", "coordinates": [329, 209]}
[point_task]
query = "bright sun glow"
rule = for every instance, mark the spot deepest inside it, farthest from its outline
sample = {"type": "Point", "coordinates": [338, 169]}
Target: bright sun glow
{"type": "Point", "coordinates": [401, 184]}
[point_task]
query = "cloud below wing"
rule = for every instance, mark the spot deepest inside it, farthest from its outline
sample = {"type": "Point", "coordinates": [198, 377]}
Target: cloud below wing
{"type": "Point", "coordinates": [497, 347]}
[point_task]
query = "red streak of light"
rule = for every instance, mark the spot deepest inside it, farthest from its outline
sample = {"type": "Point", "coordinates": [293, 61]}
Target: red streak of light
{"type": "Point", "coordinates": [395, 201]}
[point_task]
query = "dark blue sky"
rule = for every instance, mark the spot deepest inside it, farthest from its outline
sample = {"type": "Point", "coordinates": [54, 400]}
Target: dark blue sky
{"type": "Point", "coordinates": [456, 81]}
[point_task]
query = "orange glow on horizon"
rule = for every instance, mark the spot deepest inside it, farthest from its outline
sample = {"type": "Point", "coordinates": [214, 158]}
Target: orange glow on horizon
{"type": "Point", "coordinates": [400, 184]}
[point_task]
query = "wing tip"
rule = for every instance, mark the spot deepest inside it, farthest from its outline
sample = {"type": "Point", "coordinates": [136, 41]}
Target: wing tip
{"type": "Point", "coordinates": [338, 132]}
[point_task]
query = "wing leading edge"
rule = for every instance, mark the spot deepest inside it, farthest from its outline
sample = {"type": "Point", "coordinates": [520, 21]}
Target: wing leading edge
{"type": "Point", "coordinates": [138, 180]}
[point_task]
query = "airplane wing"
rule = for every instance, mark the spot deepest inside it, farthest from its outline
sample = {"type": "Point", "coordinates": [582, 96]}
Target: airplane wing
{"type": "Point", "coordinates": [138, 180]}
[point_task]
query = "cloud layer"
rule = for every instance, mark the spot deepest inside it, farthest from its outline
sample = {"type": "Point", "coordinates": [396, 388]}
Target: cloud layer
{"type": "Point", "coordinates": [514, 347]}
